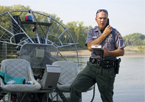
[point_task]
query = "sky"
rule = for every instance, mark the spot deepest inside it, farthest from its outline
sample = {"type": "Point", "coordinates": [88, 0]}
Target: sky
{"type": "Point", "coordinates": [127, 16]}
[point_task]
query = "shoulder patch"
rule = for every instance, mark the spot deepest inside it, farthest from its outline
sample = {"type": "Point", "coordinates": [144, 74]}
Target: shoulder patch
{"type": "Point", "coordinates": [119, 36]}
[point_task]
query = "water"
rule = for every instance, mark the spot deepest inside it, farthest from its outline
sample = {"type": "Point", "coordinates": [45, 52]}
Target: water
{"type": "Point", "coordinates": [129, 84]}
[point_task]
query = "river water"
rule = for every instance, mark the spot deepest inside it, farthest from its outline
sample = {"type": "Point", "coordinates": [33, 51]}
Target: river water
{"type": "Point", "coordinates": [129, 84]}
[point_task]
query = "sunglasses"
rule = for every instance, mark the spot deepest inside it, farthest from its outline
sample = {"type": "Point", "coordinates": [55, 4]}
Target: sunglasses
{"type": "Point", "coordinates": [102, 10]}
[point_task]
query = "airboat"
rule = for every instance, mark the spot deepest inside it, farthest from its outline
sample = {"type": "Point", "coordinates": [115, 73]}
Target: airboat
{"type": "Point", "coordinates": [37, 47]}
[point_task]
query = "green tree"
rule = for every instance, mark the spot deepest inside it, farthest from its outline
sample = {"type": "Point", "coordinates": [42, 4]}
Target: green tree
{"type": "Point", "coordinates": [134, 39]}
{"type": "Point", "coordinates": [80, 32]}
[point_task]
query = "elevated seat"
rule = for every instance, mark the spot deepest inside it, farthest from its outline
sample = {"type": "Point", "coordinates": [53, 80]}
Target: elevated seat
{"type": "Point", "coordinates": [17, 31]}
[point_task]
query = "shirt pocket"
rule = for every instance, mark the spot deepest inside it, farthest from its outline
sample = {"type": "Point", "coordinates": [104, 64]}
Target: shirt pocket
{"type": "Point", "coordinates": [109, 44]}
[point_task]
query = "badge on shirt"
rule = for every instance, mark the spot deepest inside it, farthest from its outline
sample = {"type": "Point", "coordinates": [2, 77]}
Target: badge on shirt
{"type": "Point", "coordinates": [110, 35]}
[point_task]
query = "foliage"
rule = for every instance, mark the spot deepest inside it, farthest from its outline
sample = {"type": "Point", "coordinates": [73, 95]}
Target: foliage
{"type": "Point", "coordinates": [80, 32]}
{"type": "Point", "coordinates": [13, 8]}
{"type": "Point", "coordinates": [134, 39]}
{"type": "Point", "coordinates": [141, 47]}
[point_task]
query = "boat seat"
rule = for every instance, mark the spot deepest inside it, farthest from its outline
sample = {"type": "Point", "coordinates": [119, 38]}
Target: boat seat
{"type": "Point", "coordinates": [18, 68]}
{"type": "Point", "coordinates": [69, 71]}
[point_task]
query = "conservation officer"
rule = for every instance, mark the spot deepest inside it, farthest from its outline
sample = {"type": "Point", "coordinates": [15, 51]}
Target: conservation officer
{"type": "Point", "coordinates": [102, 67]}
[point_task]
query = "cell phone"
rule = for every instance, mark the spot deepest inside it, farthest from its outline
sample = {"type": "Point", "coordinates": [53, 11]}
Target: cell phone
{"type": "Point", "coordinates": [107, 23]}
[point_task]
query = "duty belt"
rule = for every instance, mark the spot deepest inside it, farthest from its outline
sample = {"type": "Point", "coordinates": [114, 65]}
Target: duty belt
{"type": "Point", "coordinates": [103, 63]}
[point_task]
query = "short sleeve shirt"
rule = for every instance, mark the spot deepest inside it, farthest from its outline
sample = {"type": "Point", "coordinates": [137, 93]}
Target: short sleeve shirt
{"type": "Point", "coordinates": [112, 42]}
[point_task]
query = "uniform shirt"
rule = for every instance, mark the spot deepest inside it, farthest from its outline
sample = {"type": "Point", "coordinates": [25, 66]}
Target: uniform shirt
{"type": "Point", "coordinates": [112, 42]}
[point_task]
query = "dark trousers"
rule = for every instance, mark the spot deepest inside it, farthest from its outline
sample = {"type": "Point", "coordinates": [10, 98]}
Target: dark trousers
{"type": "Point", "coordinates": [93, 73]}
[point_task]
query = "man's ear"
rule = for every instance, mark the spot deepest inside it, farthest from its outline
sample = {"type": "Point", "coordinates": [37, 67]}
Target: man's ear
{"type": "Point", "coordinates": [96, 19]}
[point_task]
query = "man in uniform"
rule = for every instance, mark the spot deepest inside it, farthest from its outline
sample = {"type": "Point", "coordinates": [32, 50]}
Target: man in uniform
{"type": "Point", "coordinates": [98, 70]}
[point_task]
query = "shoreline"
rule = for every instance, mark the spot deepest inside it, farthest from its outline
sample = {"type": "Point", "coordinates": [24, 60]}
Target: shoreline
{"type": "Point", "coordinates": [86, 53]}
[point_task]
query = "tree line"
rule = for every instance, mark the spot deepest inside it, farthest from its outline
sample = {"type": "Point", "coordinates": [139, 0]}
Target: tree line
{"type": "Point", "coordinates": [135, 39]}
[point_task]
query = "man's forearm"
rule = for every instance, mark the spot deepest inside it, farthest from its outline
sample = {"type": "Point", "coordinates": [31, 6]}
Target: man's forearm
{"type": "Point", "coordinates": [115, 53]}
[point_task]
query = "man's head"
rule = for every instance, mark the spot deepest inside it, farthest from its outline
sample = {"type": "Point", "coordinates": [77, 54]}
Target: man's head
{"type": "Point", "coordinates": [101, 18]}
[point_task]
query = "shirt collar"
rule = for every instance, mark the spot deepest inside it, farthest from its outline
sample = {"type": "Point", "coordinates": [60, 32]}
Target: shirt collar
{"type": "Point", "coordinates": [96, 28]}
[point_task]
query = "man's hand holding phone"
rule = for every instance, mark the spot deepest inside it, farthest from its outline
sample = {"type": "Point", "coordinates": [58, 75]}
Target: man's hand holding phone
{"type": "Point", "coordinates": [107, 30]}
